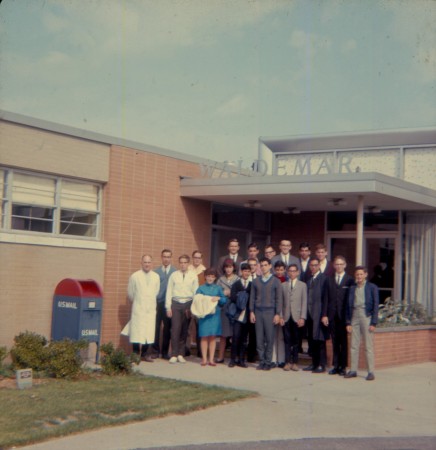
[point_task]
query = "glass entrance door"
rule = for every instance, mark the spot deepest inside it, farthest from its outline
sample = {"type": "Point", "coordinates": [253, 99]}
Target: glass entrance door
{"type": "Point", "coordinates": [378, 256]}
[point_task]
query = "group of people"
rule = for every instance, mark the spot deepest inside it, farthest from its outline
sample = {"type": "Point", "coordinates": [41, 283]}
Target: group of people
{"type": "Point", "coordinates": [263, 307]}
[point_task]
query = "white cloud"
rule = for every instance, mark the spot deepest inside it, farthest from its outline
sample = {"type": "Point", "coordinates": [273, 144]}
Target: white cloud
{"type": "Point", "coordinates": [235, 105]}
{"type": "Point", "coordinates": [310, 42]}
{"type": "Point", "coordinates": [349, 45]}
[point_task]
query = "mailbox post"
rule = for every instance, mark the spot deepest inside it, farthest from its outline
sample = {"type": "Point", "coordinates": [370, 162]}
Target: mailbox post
{"type": "Point", "coordinates": [77, 309]}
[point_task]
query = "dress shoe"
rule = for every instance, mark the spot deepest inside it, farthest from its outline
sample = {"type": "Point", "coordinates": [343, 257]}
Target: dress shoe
{"type": "Point", "coordinates": [219, 361]}
{"type": "Point", "coordinates": [341, 372]}
{"type": "Point", "coordinates": [155, 355]}
{"type": "Point", "coordinates": [319, 369]}
{"type": "Point", "coordinates": [268, 366]}
{"type": "Point", "coordinates": [166, 356]}
{"type": "Point", "coordinates": [281, 365]}
{"type": "Point", "coordinates": [333, 371]}
{"type": "Point", "coordinates": [370, 377]}
{"type": "Point", "coordinates": [232, 363]}
{"type": "Point", "coordinates": [242, 364]}
{"type": "Point", "coordinates": [294, 368]}
{"type": "Point", "coordinates": [350, 374]}
{"type": "Point", "coordinates": [272, 365]}
{"type": "Point", "coordinates": [287, 367]}
{"type": "Point", "coordinates": [260, 366]}
{"type": "Point", "coordinates": [212, 364]}
{"type": "Point", "coordinates": [309, 368]}
{"type": "Point", "coordinates": [147, 358]}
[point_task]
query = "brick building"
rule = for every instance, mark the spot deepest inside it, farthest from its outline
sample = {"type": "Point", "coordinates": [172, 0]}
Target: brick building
{"type": "Point", "coordinates": [77, 204]}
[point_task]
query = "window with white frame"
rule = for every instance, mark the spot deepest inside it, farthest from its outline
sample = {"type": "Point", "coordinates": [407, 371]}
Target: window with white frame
{"type": "Point", "coordinates": [44, 204]}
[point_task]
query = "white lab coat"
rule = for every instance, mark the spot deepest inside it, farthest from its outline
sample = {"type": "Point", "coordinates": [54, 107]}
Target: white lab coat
{"type": "Point", "coordinates": [142, 291]}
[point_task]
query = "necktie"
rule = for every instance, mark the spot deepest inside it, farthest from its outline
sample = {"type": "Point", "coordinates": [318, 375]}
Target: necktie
{"type": "Point", "coordinates": [338, 280]}
{"type": "Point", "coordinates": [292, 285]}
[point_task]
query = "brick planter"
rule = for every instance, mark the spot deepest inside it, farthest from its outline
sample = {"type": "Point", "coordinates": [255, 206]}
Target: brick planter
{"type": "Point", "coordinates": [395, 346]}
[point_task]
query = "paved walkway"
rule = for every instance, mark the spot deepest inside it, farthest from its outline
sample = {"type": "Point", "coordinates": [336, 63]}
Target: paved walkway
{"type": "Point", "coordinates": [310, 408]}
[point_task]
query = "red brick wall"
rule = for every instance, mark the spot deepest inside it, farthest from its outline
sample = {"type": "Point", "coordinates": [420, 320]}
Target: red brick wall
{"type": "Point", "coordinates": [304, 227]}
{"type": "Point", "coordinates": [395, 348]}
{"type": "Point", "coordinates": [144, 213]}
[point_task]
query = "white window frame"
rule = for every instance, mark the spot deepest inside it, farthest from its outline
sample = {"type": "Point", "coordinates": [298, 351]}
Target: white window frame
{"type": "Point", "coordinates": [9, 234]}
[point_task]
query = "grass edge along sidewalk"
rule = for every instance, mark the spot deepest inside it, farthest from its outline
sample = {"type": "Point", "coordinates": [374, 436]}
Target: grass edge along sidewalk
{"type": "Point", "coordinates": [56, 408]}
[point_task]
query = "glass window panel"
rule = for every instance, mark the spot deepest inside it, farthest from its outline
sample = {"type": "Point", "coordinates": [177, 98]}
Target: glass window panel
{"type": "Point", "coordinates": [33, 190]}
{"type": "Point", "coordinates": [79, 196]}
{"type": "Point", "coordinates": [31, 218]}
{"type": "Point", "coordinates": [2, 183]}
{"type": "Point", "coordinates": [78, 223]}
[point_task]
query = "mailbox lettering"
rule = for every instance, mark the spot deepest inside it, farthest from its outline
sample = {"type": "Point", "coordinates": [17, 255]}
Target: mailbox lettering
{"type": "Point", "coordinates": [89, 332]}
{"type": "Point", "coordinates": [69, 305]}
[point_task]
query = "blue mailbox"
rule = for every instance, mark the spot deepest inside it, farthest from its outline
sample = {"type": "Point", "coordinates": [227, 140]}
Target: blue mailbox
{"type": "Point", "coordinates": [77, 309]}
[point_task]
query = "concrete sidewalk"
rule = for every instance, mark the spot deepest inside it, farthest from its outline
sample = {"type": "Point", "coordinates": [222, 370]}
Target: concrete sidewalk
{"type": "Point", "coordinates": [292, 405]}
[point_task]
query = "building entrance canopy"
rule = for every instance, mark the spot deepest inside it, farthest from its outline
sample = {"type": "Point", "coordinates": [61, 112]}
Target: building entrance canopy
{"type": "Point", "coordinates": [335, 192]}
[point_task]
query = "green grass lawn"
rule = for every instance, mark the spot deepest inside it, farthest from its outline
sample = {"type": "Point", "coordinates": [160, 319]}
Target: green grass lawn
{"type": "Point", "coordinates": [58, 407]}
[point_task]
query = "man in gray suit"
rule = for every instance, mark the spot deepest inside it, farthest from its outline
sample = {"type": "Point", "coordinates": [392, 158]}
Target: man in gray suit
{"type": "Point", "coordinates": [285, 254]}
{"type": "Point", "coordinates": [233, 254]}
{"type": "Point", "coordinates": [294, 313]}
{"type": "Point", "coordinates": [164, 272]}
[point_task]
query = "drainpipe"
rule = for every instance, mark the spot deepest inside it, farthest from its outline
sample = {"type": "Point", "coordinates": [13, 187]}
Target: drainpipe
{"type": "Point", "coordinates": [359, 231]}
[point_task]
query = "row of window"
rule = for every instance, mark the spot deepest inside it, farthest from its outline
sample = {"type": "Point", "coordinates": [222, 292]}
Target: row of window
{"type": "Point", "coordinates": [45, 204]}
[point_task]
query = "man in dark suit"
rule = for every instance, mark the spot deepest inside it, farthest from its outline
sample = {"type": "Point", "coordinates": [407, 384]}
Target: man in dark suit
{"type": "Point", "coordinates": [294, 313]}
{"type": "Point", "coordinates": [325, 266]}
{"type": "Point", "coordinates": [164, 272]}
{"type": "Point", "coordinates": [304, 253]}
{"type": "Point", "coordinates": [361, 318]}
{"type": "Point", "coordinates": [317, 332]}
{"type": "Point", "coordinates": [334, 305]}
{"type": "Point", "coordinates": [241, 323]}
{"type": "Point", "coordinates": [233, 254]}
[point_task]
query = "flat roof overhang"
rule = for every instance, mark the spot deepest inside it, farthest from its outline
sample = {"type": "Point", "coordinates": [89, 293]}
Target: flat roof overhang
{"type": "Point", "coordinates": [312, 193]}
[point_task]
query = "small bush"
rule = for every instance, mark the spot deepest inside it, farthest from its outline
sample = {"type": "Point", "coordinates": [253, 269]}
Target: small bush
{"type": "Point", "coordinates": [3, 354]}
{"type": "Point", "coordinates": [117, 361]}
{"type": "Point", "coordinates": [63, 358]}
{"type": "Point", "coordinates": [395, 313]}
{"type": "Point", "coordinates": [29, 351]}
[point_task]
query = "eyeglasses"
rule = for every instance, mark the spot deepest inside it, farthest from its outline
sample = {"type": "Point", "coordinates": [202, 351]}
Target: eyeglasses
{"type": "Point", "coordinates": [292, 270]}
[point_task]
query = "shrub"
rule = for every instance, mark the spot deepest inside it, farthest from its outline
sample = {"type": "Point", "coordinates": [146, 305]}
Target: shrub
{"type": "Point", "coordinates": [64, 359]}
{"type": "Point", "coordinates": [3, 354]}
{"type": "Point", "coordinates": [395, 313]}
{"type": "Point", "coordinates": [29, 351]}
{"type": "Point", "coordinates": [116, 361]}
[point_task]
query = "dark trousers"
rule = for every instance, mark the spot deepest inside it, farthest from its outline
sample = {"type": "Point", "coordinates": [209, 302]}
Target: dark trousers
{"type": "Point", "coordinates": [251, 348]}
{"type": "Point", "coordinates": [291, 337]}
{"type": "Point", "coordinates": [162, 318]}
{"type": "Point", "coordinates": [265, 330]}
{"type": "Point", "coordinates": [338, 333]}
{"type": "Point", "coordinates": [179, 327]}
{"type": "Point", "coordinates": [319, 350]}
{"type": "Point", "coordinates": [141, 349]}
{"type": "Point", "coordinates": [239, 341]}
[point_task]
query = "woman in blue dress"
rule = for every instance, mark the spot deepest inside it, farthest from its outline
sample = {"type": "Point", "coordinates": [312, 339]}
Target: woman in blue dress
{"type": "Point", "coordinates": [209, 327]}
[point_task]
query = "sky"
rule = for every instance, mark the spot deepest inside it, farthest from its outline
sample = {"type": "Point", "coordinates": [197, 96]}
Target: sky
{"type": "Point", "coordinates": [209, 77]}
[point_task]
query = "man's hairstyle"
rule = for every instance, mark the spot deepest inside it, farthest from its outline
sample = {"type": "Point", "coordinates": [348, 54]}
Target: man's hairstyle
{"type": "Point", "coordinates": [166, 250]}
{"type": "Point", "coordinates": [314, 259]}
{"type": "Point", "coordinates": [304, 245]}
{"type": "Point", "coordinates": [244, 266]}
{"type": "Point", "coordinates": [286, 240]}
{"type": "Point", "coordinates": [253, 245]}
{"type": "Point", "coordinates": [269, 246]}
{"type": "Point", "coordinates": [364, 268]}
{"type": "Point", "coordinates": [211, 271]}
{"type": "Point", "coordinates": [293, 265]}
{"type": "Point", "coordinates": [184, 257]}
{"type": "Point", "coordinates": [233, 240]}
{"type": "Point", "coordinates": [196, 251]}
{"type": "Point", "coordinates": [339, 257]}
{"type": "Point", "coordinates": [279, 264]}
{"type": "Point", "coordinates": [252, 259]}
{"type": "Point", "coordinates": [146, 254]}
{"type": "Point", "coordinates": [265, 260]}
{"type": "Point", "coordinates": [320, 247]}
